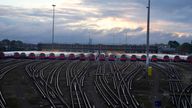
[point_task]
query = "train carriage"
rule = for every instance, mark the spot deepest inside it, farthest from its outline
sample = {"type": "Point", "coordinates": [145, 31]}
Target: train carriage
{"type": "Point", "coordinates": [166, 58]}
{"type": "Point", "coordinates": [112, 57]}
{"type": "Point", "coordinates": [16, 55]}
{"type": "Point", "coordinates": [2, 55]}
{"type": "Point", "coordinates": [101, 57]}
{"type": "Point", "coordinates": [82, 57]}
{"type": "Point", "coordinates": [71, 57]}
{"type": "Point", "coordinates": [32, 56]}
{"type": "Point", "coordinates": [123, 58]}
{"type": "Point", "coordinates": [91, 57]}
{"type": "Point", "coordinates": [23, 55]}
{"type": "Point", "coordinates": [154, 58]}
{"type": "Point", "coordinates": [62, 56]}
{"type": "Point", "coordinates": [177, 59]}
{"type": "Point", "coordinates": [42, 56]}
{"type": "Point", "coordinates": [189, 59]}
{"type": "Point", "coordinates": [133, 58]}
{"type": "Point", "coordinates": [143, 58]}
{"type": "Point", "coordinates": [52, 56]}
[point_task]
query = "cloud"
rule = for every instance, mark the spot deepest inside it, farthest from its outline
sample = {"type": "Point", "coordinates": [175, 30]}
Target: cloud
{"type": "Point", "coordinates": [104, 19]}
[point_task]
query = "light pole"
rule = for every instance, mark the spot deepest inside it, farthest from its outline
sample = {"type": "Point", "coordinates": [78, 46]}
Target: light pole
{"type": "Point", "coordinates": [89, 38]}
{"type": "Point", "coordinates": [113, 38]}
{"type": "Point", "coordinates": [126, 41]}
{"type": "Point", "coordinates": [126, 37]}
{"type": "Point", "coordinates": [90, 42]}
{"type": "Point", "coordinates": [148, 33]}
{"type": "Point", "coordinates": [53, 26]}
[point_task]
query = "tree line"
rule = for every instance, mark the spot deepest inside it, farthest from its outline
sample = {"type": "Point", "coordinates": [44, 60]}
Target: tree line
{"type": "Point", "coordinates": [185, 48]}
{"type": "Point", "coordinates": [15, 45]}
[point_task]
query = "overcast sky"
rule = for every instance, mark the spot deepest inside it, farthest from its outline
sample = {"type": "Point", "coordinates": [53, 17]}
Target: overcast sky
{"type": "Point", "coordinates": [105, 21]}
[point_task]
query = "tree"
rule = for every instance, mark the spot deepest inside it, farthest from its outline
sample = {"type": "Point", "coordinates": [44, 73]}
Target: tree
{"type": "Point", "coordinates": [6, 44]}
{"type": "Point", "coordinates": [185, 48]}
{"type": "Point", "coordinates": [173, 44]}
{"type": "Point", "coordinates": [2, 48]}
{"type": "Point", "coordinates": [12, 45]}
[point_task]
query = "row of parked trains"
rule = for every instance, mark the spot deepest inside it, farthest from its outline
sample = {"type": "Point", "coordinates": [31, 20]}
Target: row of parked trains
{"type": "Point", "coordinates": [93, 57]}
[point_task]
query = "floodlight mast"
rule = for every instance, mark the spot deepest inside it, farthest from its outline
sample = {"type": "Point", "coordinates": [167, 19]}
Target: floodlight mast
{"type": "Point", "coordinates": [126, 38]}
{"type": "Point", "coordinates": [53, 26]}
{"type": "Point", "coordinates": [148, 33]}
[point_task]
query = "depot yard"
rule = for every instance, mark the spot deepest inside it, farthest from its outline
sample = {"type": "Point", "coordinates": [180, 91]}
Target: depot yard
{"type": "Point", "coordinates": [26, 83]}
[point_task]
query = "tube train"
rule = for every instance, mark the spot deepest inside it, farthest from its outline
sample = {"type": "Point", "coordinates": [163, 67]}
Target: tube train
{"type": "Point", "coordinates": [94, 56]}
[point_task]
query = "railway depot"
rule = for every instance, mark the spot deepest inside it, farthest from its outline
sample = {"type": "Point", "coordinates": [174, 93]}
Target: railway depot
{"type": "Point", "coordinates": [96, 54]}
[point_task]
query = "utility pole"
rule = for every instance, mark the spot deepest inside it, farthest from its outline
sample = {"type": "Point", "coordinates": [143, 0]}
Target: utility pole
{"type": "Point", "coordinates": [53, 26]}
{"type": "Point", "coordinates": [148, 33]}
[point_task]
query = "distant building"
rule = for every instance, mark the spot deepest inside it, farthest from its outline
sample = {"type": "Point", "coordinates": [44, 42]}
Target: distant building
{"type": "Point", "coordinates": [98, 47]}
{"type": "Point", "coordinates": [164, 48]}
{"type": "Point", "coordinates": [30, 47]}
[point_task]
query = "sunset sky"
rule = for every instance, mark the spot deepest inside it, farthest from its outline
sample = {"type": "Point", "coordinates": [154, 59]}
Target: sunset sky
{"type": "Point", "coordinates": [31, 21]}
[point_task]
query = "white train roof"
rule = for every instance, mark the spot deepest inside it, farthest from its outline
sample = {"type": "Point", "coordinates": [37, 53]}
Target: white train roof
{"type": "Point", "coordinates": [118, 55]}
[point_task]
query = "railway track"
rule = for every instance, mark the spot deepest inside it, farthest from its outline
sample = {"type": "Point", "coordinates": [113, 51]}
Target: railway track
{"type": "Point", "coordinates": [185, 98]}
{"type": "Point", "coordinates": [48, 85]}
{"type": "Point", "coordinates": [75, 81]}
{"type": "Point", "coordinates": [124, 89]}
{"type": "Point", "coordinates": [119, 95]}
{"type": "Point", "coordinates": [64, 83]}
{"type": "Point", "coordinates": [2, 101]}
{"type": "Point", "coordinates": [179, 94]}
{"type": "Point", "coordinates": [7, 67]}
